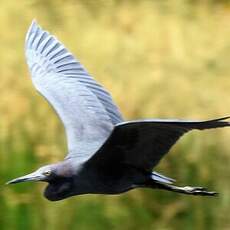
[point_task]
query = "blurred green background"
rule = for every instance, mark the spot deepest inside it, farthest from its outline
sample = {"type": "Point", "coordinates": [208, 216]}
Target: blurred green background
{"type": "Point", "coordinates": [168, 58]}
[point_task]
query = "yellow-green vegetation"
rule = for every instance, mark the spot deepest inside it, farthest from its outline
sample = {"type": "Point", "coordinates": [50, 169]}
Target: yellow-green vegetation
{"type": "Point", "coordinates": [158, 59]}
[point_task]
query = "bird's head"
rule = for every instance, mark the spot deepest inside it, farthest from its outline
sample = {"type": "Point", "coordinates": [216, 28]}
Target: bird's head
{"type": "Point", "coordinates": [57, 175]}
{"type": "Point", "coordinates": [45, 173]}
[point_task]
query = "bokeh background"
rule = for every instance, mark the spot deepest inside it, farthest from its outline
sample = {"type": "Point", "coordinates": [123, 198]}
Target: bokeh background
{"type": "Point", "coordinates": [168, 58]}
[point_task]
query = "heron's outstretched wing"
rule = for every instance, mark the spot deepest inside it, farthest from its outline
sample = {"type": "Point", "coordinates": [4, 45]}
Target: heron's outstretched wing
{"type": "Point", "coordinates": [86, 109]}
{"type": "Point", "coordinates": [143, 143]}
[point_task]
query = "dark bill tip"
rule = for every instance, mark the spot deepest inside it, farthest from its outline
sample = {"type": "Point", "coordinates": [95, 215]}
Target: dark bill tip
{"type": "Point", "coordinates": [15, 181]}
{"type": "Point", "coordinates": [30, 177]}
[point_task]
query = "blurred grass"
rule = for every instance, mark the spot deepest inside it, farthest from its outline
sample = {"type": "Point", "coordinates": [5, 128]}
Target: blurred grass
{"type": "Point", "coordinates": [158, 59]}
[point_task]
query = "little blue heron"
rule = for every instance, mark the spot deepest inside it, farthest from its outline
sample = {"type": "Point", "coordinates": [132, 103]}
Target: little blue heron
{"type": "Point", "coordinates": [106, 155]}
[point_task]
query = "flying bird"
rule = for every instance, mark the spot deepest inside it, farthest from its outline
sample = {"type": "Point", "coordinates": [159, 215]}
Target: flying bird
{"type": "Point", "coordinates": [106, 155]}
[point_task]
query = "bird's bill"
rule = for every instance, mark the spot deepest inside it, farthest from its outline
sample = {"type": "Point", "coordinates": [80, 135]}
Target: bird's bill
{"type": "Point", "coordinates": [35, 176]}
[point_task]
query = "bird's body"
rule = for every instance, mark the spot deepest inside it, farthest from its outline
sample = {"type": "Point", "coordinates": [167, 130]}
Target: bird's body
{"type": "Point", "coordinates": [106, 155]}
{"type": "Point", "coordinates": [89, 180]}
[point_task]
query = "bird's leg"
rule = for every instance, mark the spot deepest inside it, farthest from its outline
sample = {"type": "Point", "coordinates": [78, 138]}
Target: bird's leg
{"type": "Point", "coordinates": [198, 191]}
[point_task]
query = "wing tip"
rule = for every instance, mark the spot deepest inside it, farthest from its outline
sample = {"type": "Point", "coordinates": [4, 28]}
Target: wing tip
{"type": "Point", "coordinates": [34, 21]}
{"type": "Point", "coordinates": [217, 123]}
{"type": "Point", "coordinates": [223, 118]}
{"type": "Point", "coordinates": [32, 28]}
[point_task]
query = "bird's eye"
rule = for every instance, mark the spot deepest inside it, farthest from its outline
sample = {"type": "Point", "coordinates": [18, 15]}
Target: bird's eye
{"type": "Point", "coordinates": [47, 173]}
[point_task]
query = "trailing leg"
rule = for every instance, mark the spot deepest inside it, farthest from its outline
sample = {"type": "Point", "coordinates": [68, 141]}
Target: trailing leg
{"type": "Point", "coordinates": [198, 191]}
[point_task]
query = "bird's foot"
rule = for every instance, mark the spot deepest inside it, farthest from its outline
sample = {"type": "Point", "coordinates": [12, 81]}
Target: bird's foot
{"type": "Point", "coordinates": [200, 191]}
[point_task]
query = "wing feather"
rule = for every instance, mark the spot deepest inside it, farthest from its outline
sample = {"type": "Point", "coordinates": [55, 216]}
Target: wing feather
{"type": "Point", "coordinates": [86, 109]}
{"type": "Point", "coordinates": [144, 143]}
